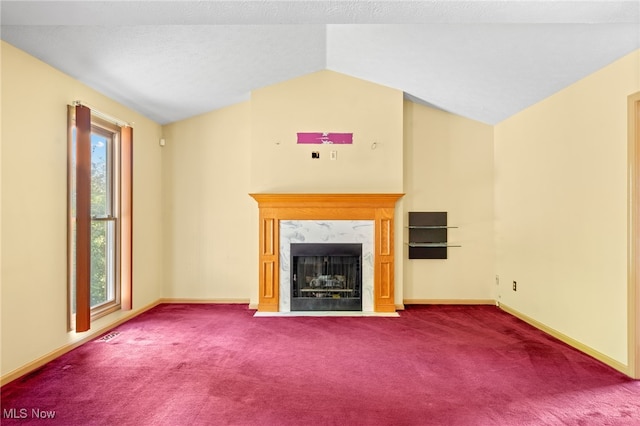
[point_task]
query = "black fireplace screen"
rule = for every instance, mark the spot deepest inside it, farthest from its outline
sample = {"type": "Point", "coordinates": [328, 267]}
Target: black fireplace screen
{"type": "Point", "coordinates": [326, 277]}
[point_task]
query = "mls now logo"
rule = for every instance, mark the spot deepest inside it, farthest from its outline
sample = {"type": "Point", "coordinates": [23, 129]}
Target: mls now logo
{"type": "Point", "coordinates": [23, 413]}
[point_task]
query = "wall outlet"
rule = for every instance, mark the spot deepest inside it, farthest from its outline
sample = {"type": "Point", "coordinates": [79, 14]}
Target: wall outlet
{"type": "Point", "coordinates": [515, 286]}
{"type": "Point", "coordinates": [315, 154]}
{"type": "Point", "coordinates": [333, 155]}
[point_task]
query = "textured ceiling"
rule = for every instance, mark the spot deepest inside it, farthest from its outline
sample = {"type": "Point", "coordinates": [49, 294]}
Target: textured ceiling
{"type": "Point", "coordinates": [171, 60]}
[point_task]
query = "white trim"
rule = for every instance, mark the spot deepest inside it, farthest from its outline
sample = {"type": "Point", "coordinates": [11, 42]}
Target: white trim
{"type": "Point", "coordinates": [326, 314]}
{"type": "Point", "coordinates": [633, 240]}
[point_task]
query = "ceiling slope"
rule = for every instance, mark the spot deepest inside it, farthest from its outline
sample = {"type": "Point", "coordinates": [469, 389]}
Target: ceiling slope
{"type": "Point", "coordinates": [170, 60]}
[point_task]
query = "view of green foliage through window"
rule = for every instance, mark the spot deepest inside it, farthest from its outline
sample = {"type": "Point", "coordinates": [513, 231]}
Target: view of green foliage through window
{"type": "Point", "coordinates": [103, 232]}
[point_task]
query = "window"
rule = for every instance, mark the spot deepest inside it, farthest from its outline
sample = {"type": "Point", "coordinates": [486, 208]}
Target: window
{"type": "Point", "coordinates": [99, 219]}
{"type": "Point", "coordinates": [104, 288]}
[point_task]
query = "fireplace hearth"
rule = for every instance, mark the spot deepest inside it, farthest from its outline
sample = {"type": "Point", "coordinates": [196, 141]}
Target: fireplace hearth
{"type": "Point", "coordinates": [326, 277]}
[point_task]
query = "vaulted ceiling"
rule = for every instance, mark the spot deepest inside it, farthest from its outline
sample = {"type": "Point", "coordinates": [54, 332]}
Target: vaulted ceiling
{"type": "Point", "coordinates": [170, 60]}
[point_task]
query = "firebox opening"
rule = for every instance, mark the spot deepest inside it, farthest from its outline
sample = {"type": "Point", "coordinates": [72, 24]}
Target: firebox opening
{"type": "Point", "coordinates": [326, 277]}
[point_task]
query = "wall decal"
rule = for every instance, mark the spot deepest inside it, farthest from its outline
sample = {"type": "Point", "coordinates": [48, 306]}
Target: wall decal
{"type": "Point", "coordinates": [325, 138]}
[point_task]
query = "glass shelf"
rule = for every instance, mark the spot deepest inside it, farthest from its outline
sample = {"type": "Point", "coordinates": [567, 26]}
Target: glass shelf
{"type": "Point", "coordinates": [432, 245]}
{"type": "Point", "coordinates": [430, 227]}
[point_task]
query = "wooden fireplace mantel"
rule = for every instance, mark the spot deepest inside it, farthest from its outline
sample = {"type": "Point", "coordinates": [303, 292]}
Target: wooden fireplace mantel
{"type": "Point", "coordinates": [275, 207]}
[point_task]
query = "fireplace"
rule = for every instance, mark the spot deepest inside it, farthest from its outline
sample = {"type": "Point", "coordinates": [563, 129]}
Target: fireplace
{"type": "Point", "coordinates": [326, 277]}
{"type": "Point", "coordinates": [314, 234]}
{"type": "Point", "coordinates": [286, 219]}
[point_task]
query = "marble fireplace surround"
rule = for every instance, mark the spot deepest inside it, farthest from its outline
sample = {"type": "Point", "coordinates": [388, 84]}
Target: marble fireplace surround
{"type": "Point", "coordinates": [286, 218]}
{"type": "Point", "coordinates": [326, 231]}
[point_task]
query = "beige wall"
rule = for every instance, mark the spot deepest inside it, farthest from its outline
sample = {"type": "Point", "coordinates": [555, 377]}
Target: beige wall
{"type": "Point", "coordinates": [449, 167]}
{"type": "Point", "coordinates": [326, 101]}
{"type": "Point", "coordinates": [213, 161]}
{"type": "Point", "coordinates": [561, 209]}
{"type": "Point", "coordinates": [34, 196]}
{"type": "Point", "coordinates": [211, 223]}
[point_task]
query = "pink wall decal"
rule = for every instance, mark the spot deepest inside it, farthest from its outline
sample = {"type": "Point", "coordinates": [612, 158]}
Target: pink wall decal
{"type": "Point", "coordinates": [325, 138]}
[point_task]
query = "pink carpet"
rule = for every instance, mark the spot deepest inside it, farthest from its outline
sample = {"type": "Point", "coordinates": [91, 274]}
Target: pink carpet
{"type": "Point", "coordinates": [217, 364]}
